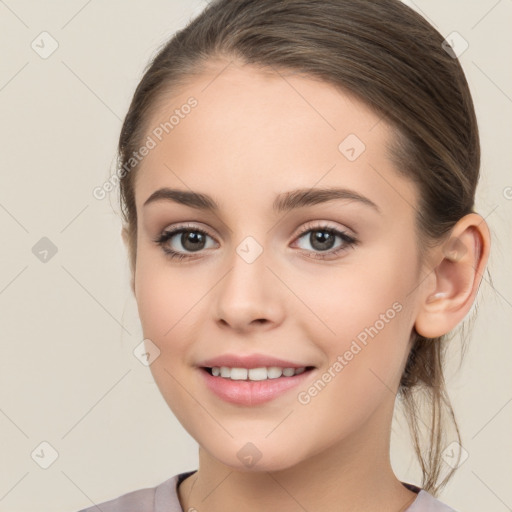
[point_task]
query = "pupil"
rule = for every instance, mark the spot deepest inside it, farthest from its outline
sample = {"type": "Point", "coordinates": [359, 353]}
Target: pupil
{"type": "Point", "coordinates": [192, 240]}
{"type": "Point", "coordinates": [322, 239]}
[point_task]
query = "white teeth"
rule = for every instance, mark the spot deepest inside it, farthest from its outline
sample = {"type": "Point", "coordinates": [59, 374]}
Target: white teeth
{"type": "Point", "coordinates": [272, 372]}
{"type": "Point", "coordinates": [238, 374]}
{"type": "Point", "coordinates": [225, 372]}
{"type": "Point", "coordinates": [257, 374]}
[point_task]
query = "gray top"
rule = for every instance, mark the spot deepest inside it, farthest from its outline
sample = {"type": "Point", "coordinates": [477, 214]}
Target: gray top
{"type": "Point", "coordinates": [164, 498]}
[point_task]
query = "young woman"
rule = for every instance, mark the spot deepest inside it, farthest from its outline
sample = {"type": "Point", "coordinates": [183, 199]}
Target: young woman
{"type": "Point", "coordinates": [297, 182]}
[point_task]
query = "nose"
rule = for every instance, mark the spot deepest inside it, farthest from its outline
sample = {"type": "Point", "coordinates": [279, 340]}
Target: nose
{"type": "Point", "coordinates": [249, 296]}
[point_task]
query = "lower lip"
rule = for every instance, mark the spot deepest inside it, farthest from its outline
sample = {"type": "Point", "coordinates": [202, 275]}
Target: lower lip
{"type": "Point", "coordinates": [246, 392]}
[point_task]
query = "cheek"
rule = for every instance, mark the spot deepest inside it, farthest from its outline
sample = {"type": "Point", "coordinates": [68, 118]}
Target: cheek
{"type": "Point", "coordinates": [348, 299]}
{"type": "Point", "coordinates": [155, 301]}
{"type": "Point", "coordinates": [364, 320]}
{"type": "Point", "coordinates": [169, 305]}
{"type": "Point", "coordinates": [167, 302]}
{"type": "Point", "coordinates": [363, 360]}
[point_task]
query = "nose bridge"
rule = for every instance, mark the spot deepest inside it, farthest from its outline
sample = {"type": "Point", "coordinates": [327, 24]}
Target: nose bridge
{"type": "Point", "coordinates": [248, 292]}
{"type": "Point", "coordinates": [247, 279]}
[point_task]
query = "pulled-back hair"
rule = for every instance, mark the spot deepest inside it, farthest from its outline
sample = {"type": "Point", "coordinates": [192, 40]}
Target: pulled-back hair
{"type": "Point", "coordinates": [393, 60]}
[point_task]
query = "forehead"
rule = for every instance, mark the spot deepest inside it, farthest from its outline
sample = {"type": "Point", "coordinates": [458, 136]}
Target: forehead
{"type": "Point", "coordinates": [254, 133]}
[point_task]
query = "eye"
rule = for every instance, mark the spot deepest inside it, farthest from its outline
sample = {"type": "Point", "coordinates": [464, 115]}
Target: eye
{"type": "Point", "coordinates": [322, 239]}
{"type": "Point", "coordinates": [192, 239]}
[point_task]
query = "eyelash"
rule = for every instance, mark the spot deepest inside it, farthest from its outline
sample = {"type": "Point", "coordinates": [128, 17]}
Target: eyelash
{"type": "Point", "coordinates": [349, 241]}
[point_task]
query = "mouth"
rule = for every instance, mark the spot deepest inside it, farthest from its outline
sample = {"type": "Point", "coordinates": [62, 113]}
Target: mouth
{"type": "Point", "coordinates": [255, 374]}
{"type": "Point", "coordinates": [249, 387]}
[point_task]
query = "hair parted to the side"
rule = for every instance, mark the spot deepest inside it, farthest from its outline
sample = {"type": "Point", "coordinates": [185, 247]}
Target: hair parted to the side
{"type": "Point", "coordinates": [392, 59]}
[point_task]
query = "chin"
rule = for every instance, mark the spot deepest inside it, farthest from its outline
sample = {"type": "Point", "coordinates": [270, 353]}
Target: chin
{"type": "Point", "coordinates": [255, 457]}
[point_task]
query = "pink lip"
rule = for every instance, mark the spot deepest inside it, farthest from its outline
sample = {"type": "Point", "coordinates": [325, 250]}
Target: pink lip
{"type": "Point", "coordinates": [249, 361]}
{"type": "Point", "coordinates": [248, 393]}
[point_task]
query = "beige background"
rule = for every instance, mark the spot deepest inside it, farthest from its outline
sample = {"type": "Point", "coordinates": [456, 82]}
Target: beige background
{"type": "Point", "coordinates": [69, 325]}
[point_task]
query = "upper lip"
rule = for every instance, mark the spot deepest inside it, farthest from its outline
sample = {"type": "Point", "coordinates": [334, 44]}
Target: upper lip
{"type": "Point", "coordinates": [249, 361]}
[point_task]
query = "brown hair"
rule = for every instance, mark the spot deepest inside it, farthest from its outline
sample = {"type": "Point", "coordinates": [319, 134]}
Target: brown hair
{"type": "Point", "coordinates": [392, 59]}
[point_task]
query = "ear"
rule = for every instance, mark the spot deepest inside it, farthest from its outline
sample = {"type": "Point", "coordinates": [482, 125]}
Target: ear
{"type": "Point", "coordinates": [454, 282]}
{"type": "Point", "coordinates": [126, 240]}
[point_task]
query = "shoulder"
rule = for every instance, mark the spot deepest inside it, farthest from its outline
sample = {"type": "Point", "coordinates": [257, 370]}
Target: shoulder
{"type": "Point", "coordinates": [425, 502]}
{"type": "Point", "coordinates": [151, 499]}
{"type": "Point", "coordinates": [141, 500]}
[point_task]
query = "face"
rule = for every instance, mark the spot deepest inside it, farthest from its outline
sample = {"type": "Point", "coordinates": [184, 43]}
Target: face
{"type": "Point", "coordinates": [328, 283]}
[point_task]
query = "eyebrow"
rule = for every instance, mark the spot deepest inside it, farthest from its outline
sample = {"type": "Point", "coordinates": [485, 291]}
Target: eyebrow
{"type": "Point", "coordinates": [286, 201]}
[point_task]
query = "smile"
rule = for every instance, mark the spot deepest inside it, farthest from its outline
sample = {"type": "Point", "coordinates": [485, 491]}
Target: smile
{"type": "Point", "coordinates": [254, 386]}
{"type": "Point", "coordinates": [255, 374]}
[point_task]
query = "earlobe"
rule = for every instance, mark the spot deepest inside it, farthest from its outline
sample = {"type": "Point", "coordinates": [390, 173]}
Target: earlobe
{"type": "Point", "coordinates": [456, 278]}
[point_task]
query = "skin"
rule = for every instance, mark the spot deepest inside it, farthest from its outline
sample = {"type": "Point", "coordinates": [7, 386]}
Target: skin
{"type": "Point", "coordinates": [252, 136]}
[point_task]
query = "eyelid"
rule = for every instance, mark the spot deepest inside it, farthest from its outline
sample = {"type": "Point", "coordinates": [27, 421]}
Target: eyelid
{"type": "Point", "coordinates": [318, 225]}
{"type": "Point", "coordinates": [186, 226]}
{"type": "Point", "coordinates": [325, 224]}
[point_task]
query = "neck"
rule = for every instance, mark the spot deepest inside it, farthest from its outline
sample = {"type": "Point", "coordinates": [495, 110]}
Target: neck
{"type": "Point", "coordinates": [354, 475]}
